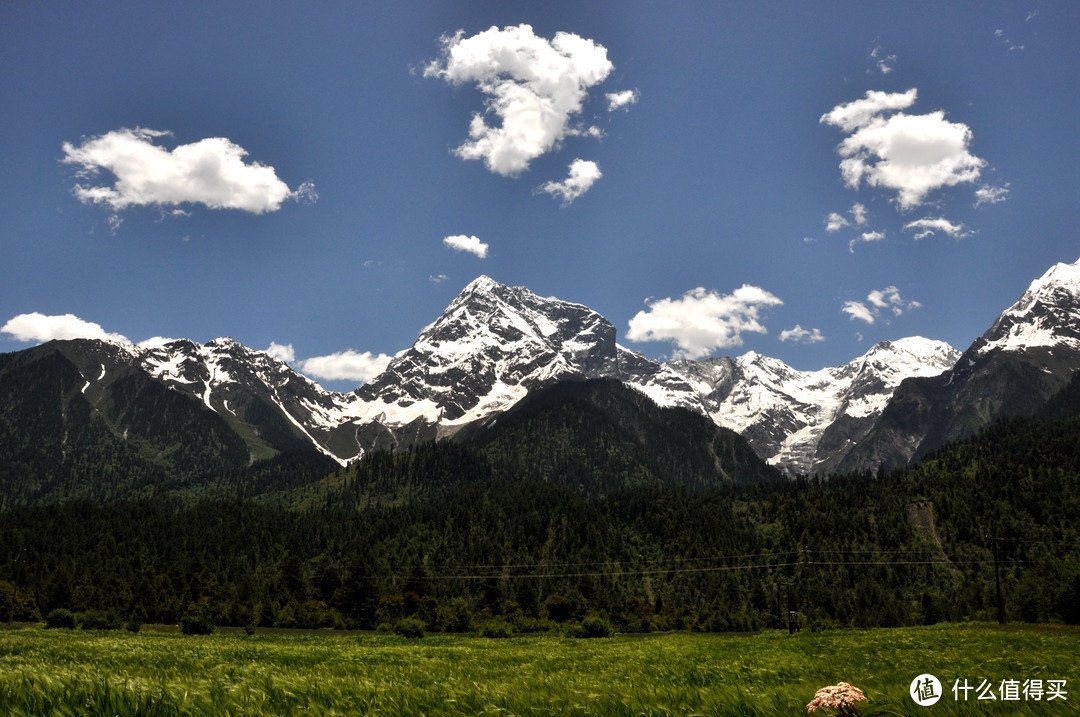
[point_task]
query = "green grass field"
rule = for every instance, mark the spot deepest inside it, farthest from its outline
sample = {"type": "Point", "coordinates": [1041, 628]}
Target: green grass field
{"type": "Point", "coordinates": [62, 672]}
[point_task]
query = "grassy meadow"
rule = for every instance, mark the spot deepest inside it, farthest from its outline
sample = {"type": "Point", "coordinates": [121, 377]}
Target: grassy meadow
{"type": "Point", "coordinates": [63, 672]}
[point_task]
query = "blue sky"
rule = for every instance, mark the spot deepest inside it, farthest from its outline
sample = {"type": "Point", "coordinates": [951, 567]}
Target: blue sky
{"type": "Point", "coordinates": [317, 158]}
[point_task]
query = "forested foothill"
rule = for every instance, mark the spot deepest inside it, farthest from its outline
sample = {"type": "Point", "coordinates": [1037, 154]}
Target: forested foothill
{"type": "Point", "coordinates": [585, 504]}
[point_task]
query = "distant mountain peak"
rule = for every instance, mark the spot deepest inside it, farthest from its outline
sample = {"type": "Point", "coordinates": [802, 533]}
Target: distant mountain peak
{"type": "Point", "coordinates": [482, 283]}
{"type": "Point", "coordinates": [915, 348]}
{"type": "Point", "coordinates": [805, 421]}
{"type": "Point", "coordinates": [225, 342]}
{"type": "Point", "coordinates": [1060, 275]}
{"type": "Point", "coordinates": [488, 349]}
{"type": "Point", "coordinates": [1047, 315]}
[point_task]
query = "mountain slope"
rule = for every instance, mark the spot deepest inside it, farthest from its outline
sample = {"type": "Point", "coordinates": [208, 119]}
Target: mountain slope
{"type": "Point", "coordinates": [63, 435]}
{"type": "Point", "coordinates": [599, 436]}
{"type": "Point", "coordinates": [1029, 354]}
{"type": "Point", "coordinates": [493, 347]}
{"type": "Point", "coordinates": [274, 408]}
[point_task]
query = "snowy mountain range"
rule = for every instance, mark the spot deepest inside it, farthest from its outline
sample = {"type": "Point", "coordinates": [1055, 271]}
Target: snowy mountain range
{"type": "Point", "coordinates": [495, 343]}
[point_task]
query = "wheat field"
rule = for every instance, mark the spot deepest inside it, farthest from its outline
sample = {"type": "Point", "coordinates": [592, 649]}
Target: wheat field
{"type": "Point", "coordinates": [158, 672]}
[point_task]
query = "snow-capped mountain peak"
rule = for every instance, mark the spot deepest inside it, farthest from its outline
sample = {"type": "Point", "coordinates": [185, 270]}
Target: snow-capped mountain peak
{"type": "Point", "coordinates": [1048, 314]}
{"type": "Point", "coordinates": [492, 344]}
{"type": "Point", "coordinates": [495, 343]}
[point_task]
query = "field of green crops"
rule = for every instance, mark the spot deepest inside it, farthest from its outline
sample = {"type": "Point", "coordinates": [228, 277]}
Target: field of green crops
{"type": "Point", "coordinates": [45, 672]}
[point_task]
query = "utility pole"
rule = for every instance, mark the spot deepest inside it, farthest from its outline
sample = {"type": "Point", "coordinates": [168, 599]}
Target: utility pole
{"type": "Point", "coordinates": [792, 613]}
{"type": "Point", "coordinates": [779, 608]}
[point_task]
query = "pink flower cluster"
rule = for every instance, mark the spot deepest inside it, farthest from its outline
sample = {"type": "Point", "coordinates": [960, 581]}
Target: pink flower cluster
{"type": "Point", "coordinates": [840, 697]}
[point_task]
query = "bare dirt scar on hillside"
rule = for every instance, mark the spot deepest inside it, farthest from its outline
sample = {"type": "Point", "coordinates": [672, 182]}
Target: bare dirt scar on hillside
{"type": "Point", "coordinates": [921, 515]}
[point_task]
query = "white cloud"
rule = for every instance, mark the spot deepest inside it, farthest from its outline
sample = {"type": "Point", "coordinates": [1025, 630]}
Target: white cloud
{"type": "Point", "coordinates": [1009, 44]}
{"type": "Point", "coordinates": [858, 211]}
{"type": "Point", "coordinates": [583, 174]}
{"type": "Point", "coordinates": [858, 310]}
{"type": "Point", "coordinates": [282, 352]}
{"type": "Point", "coordinates": [155, 342]}
{"type": "Point", "coordinates": [912, 154]}
{"type": "Point", "coordinates": [987, 194]}
{"type": "Point", "coordinates": [877, 301]}
{"type": "Point", "coordinates": [859, 113]}
{"type": "Point", "coordinates": [471, 244]}
{"type": "Point", "coordinates": [621, 100]}
{"type": "Point", "coordinates": [306, 193]}
{"type": "Point", "coordinates": [703, 321]}
{"type": "Point", "coordinates": [865, 237]}
{"type": "Point", "coordinates": [927, 226]}
{"type": "Point", "coordinates": [802, 336]}
{"type": "Point", "coordinates": [882, 62]}
{"type": "Point", "coordinates": [163, 214]}
{"type": "Point", "coordinates": [348, 365]}
{"type": "Point", "coordinates": [889, 298]}
{"type": "Point", "coordinates": [836, 221]}
{"type": "Point", "coordinates": [35, 327]}
{"type": "Point", "coordinates": [534, 87]}
{"type": "Point", "coordinates": [211, 172]}
{"type": "Point", "coordinates": [437, 278]}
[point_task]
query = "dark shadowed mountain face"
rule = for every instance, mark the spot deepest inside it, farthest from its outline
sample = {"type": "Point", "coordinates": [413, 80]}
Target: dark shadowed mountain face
{"type": "Point", "coordinates": [601, 436]}
{"type": "Point", "coordinates": [1028, 355]}
{"type": "Point", "coordinates": [64, 436]}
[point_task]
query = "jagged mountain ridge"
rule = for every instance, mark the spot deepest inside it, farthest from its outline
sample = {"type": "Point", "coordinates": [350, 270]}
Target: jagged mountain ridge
{"type": "Point", "coordinates": [807, 421]}
{"type": "Point", "coordinates": [1029, 354]}
{"type": "Point", "coordinates": [495, 343]}
{"type": "Point", "coordinates": [492, 346]}
{"type": "Point", "coordinates": [115, 433]}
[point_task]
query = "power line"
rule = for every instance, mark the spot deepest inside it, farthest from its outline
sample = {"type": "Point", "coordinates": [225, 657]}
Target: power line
{"type": "Point", "coordinates": [667, 571]}
{"type": "Point", "coordinates": [593, 574]}
{"type": "Point", "coordinates": [1029, 540]}
{"type": "Point", "coordinates": [678, 561]}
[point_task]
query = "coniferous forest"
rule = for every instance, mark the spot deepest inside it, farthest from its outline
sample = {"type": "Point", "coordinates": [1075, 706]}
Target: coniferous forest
{"type": "Point", "coordinates": [585, 501]}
